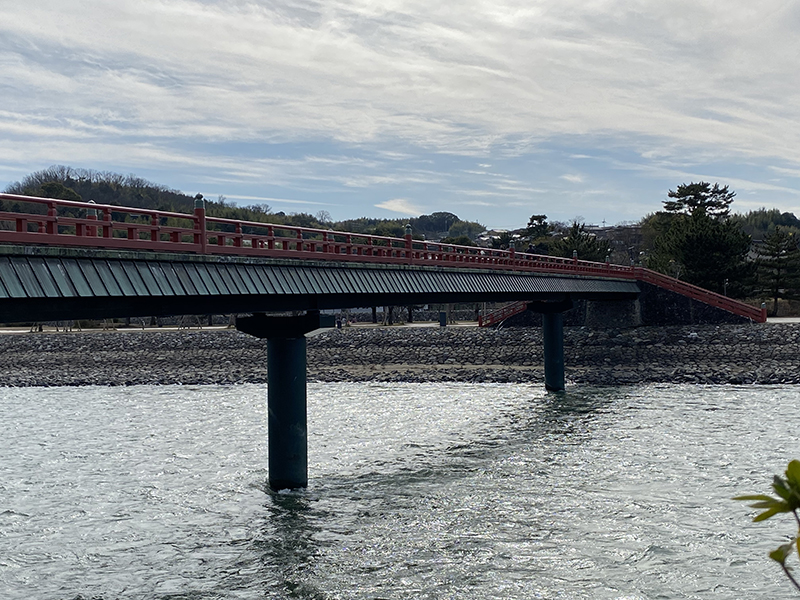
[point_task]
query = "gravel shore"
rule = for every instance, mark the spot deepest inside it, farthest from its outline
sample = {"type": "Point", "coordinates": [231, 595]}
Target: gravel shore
{"type": "Point", "coordinates": [712, 354]}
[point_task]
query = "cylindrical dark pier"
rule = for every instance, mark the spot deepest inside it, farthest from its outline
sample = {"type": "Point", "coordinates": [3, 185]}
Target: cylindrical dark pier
{"type": "Point", "coordinates": [553, 338]}
{"type": "Point", "coordinates": [286, 406]}
{"type": "Point", "coordinates": [286, 392]}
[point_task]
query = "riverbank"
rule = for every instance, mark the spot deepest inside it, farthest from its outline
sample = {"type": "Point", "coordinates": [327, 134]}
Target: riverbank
{"type": "Point", "coordinates": [723, 354]}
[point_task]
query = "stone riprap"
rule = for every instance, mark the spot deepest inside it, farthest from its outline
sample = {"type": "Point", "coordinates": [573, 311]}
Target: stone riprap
{"type": "Point", "coordinates": [738, 354]}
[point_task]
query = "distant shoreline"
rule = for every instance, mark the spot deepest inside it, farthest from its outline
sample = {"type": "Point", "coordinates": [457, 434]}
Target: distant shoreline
{"type": "Point", "coordinates": [707, 354]}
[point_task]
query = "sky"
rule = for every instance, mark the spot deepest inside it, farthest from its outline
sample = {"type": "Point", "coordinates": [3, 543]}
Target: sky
{"type": "Point", "coordinates": [492, 110]}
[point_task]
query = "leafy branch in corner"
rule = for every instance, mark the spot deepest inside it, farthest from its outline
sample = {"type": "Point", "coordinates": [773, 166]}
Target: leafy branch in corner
{"type": "Point", "coordinates": [788, 501]}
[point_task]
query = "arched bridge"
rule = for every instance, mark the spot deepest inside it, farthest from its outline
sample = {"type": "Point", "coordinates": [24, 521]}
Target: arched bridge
{"type": "Point", "coordinates": [61, 259]}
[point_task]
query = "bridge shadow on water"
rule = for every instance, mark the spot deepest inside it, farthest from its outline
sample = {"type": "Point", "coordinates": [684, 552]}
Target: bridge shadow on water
{"type": "Point", "coordinates": [551, 421]}
{"type": "Point", "coordinates": [355, 530]}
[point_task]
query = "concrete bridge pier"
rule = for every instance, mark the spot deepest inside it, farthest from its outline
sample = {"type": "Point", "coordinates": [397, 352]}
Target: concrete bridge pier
{"type": "Point", "coordinates": [553, 341]}
{"type": "Point", "coordinates": [286, 392]}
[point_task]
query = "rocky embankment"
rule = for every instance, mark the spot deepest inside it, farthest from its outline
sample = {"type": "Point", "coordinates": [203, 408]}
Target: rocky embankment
{"type": "Point", "coordinates": [762, 354]}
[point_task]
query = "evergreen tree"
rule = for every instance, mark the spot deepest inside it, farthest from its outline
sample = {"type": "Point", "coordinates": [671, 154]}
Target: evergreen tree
{"type": "Point", "coordinates": [461, 240]}
{"type": "Point", "coordinates": [538, 227]}
{"type": "Point", "coordinates": [537, 233]}
{"type": "Point", "coordinates": [779, 266]}
{"type": "Point", "coordinates": [705, 251]}
{"type": "Point", "coordinates": [687, 198]}
{"type": "Point", "coordinates": [581, 241]}
{"type": "Point", "coordinates": [696, 240]}
{"type": "Point", "coordinates": [53, 189]}
{"type": "Point", "coordinates": [390, 229]}
{"type": "Point", "coordinates": [434, 224]}
{"type": "Point", "coordinates": [504, 242]}
{"type": "Point", "coordinates": [469, 229]}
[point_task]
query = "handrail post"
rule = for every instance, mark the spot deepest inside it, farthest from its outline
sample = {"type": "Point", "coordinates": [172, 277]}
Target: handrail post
{"type": "Point", "coordinates": [154, 228]}
{"type": "Point", "coordinates": [107, 226]}
{"type": "Point", "coordinates": [200, 222]}
{"type": "Point", "coordinates": [52, 215]}
{"type": "Point", "coordinates": [91, 214]}
{"type": "Point", "coordinates": [409, 253]}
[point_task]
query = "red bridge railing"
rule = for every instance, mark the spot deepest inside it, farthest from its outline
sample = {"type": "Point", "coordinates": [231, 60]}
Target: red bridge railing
{"type": "Point", "coordinates": [743, 309]}
{"type": "Point", "coordinates": [70, 223]}
{"type": "Point", "coordinates": [47, 221]}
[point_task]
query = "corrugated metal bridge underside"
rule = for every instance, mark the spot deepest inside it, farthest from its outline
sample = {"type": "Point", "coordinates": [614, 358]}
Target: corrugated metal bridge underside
{"type": "Point", "coordinates": [42, 284]}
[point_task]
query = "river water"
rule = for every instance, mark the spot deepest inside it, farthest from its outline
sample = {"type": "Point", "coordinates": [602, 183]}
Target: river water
{"type": "Point", "coordinates": [438, 491]}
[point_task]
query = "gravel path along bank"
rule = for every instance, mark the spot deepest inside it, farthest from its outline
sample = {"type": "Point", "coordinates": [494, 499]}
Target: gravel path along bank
{"type": "Point", "coordinates": [737, 354]}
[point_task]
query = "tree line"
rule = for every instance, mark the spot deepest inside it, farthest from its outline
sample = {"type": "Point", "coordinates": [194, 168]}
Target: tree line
{"type": "Point", "coordinates": [695, 237]}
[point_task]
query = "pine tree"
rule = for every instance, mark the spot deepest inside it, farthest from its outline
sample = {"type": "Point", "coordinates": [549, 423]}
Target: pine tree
{"type": "Point", "coordinates": [687, 198]}
{"type": "Point", "coordinates": [779, 266]}
{"type": "Point", "coordinates": [697, 241]}
{"type": "Point", "coordinates": [581, 241]}
{"type": "Point", "coordinates": [705, 251]}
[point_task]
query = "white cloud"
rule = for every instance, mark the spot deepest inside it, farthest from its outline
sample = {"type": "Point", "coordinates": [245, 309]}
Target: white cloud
{"type": "Point", "coordinates": [401, 206]}
{"type": "Point", "coordinates": [787, 172]}
{"type": "Point", "coordinates": [276, 200]}
{"type": "Point", "coordinates": [457, 78]}
{"type": "Point", "coordinates": [572, 178]}
{"type": "Point", "coordinates": [477, 203]}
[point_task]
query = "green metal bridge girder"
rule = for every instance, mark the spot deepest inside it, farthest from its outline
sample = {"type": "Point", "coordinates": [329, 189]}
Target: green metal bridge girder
{"type": "Point", "coordinates": [40, 283]}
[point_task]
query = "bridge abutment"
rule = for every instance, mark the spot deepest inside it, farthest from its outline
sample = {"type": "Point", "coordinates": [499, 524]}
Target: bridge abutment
{"type": "Point", "coordinates": [613, 313]}
{"type": "Point", "coordinates": [287, 423]}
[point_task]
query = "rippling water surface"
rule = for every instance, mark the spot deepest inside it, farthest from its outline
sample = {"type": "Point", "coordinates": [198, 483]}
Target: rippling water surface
{"type": "Point", "coordinates": [416, 491]}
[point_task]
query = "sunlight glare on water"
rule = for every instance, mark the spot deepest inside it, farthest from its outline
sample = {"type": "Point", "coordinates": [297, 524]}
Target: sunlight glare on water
{"type": "Point", "coordinates": [416, 491]}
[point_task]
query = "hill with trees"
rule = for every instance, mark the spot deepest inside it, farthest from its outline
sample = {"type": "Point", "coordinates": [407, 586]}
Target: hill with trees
{"type": "Point", "coordinates": [760, 223]}
{"type": "Point", "coordinates": [82, 185]}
